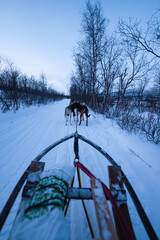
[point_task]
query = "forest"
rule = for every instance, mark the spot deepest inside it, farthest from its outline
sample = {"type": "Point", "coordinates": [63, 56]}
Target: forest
{"type": "Point", "coordinates": [18, 89]}
{"type": "Point", "coordinates": [117, 72]}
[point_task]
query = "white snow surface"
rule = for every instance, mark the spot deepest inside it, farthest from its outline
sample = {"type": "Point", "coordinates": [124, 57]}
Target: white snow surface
{"type": "Point", "coordinates": [29, 131]}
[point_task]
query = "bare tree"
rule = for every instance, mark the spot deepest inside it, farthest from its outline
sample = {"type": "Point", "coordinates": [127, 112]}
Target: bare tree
{"type": "Point", "coordinates": [157, 89]}
{"type": "Point", "coordinates": [17, 88]}
{"type": "Point", "coordinates": [93, 27]}
{"type": "Point", "coordinates": [147, 40]}
{"type": "Point", "coordinates": [140, 90]}
{"type": "Point", "coordinates": [110, 63]}
{"type": "Point", "coordinates": [134, 68]}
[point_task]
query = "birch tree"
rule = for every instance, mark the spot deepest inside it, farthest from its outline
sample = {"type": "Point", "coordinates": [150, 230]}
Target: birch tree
{"type": "Point", "coordinates": [93, 29]}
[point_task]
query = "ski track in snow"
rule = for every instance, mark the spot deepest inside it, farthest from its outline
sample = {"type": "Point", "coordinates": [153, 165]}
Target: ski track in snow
{"type": "Point", "coordinates": [28, 132]}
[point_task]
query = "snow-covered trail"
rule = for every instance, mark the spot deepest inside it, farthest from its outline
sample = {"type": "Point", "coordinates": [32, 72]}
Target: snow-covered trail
{"type": "Point", "coordinates": [28, 132]}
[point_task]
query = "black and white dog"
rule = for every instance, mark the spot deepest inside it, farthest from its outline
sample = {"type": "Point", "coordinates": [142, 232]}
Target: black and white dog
{"type": "Point", "coordinates": [77, 109]}
{"type": "Point", "coordinates": [68, 115]}
{"type": "Point", "coordinates": [84, 111]}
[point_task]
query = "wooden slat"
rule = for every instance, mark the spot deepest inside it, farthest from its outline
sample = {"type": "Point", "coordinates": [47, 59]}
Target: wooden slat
{"type": "Point", "coordinates": [105, 222]}
{"type": "Point", "coordinates": [35, 168]}
{"type": "Point", "coordinates": [116, 183]}
{"type": "Point", "coordinates": [79, 193]}
{"type": "Point", "coordinates": [86, 193]}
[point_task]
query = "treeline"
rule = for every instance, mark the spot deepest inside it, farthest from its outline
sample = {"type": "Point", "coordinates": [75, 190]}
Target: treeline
{"type": "Point", "coordinates": [115, 69]}
{"type": "Point", "coordinates": [17, 89]}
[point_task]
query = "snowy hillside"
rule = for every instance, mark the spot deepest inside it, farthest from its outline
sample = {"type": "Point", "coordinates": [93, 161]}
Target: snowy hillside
{"type": "Point", "coordinates": [25, 134]}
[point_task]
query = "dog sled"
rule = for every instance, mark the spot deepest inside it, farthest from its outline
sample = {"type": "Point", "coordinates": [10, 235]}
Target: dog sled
{"type": "Point", "coordinates": [46, 197]}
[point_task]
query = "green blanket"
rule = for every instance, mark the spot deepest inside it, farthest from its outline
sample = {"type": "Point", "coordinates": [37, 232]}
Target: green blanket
{"type": "Point", "coordinates": [50, 193]}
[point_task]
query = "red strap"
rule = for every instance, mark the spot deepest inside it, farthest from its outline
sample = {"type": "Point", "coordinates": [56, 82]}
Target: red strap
{"type": "Point", "coordinates": [107, 191]}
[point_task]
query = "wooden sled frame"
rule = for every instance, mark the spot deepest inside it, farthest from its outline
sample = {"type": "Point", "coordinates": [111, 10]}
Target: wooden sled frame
{"type": "Point", "coordinates": [148, 227]}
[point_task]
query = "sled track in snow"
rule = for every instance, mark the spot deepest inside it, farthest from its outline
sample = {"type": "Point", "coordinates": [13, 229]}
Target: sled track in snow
{"type": "Point", "coordinates": [149, 229]}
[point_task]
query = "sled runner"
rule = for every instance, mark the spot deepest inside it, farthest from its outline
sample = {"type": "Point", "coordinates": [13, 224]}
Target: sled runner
{"type": "Point", "coordinates": [46, 196]}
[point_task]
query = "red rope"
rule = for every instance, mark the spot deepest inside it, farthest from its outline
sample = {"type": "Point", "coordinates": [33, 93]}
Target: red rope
{"type": "Point", "coordinates": [107, 191]}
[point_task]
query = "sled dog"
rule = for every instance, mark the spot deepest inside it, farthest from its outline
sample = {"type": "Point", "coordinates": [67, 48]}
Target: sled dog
{"type": "Point", "coordinates": [79, 110]}
{"type": "Point", "coordinates": [67, 115]}
{"type": "Point", "coordinates": [84, 111]}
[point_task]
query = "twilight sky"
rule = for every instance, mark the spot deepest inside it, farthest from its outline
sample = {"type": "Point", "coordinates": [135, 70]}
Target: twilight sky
{"type": "Point", "coordinates": [39, 35]}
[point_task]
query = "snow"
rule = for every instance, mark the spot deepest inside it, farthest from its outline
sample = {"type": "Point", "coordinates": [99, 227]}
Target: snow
{"type": "Point", "coordinates": [29, 131]}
